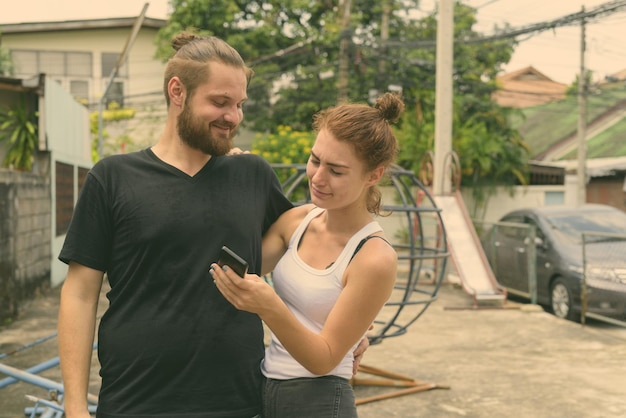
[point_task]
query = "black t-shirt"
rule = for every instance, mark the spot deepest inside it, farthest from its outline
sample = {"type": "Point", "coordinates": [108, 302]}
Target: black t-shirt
{"type": "Point", "coordinates": [169, 344]}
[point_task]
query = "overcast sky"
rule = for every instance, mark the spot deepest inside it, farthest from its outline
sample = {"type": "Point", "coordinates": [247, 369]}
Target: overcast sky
{"type": "Point", "coordinates": [555, 53]}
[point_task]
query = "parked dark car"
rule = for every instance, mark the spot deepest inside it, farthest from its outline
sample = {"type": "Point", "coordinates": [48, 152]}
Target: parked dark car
{"type": "Point", "coordinates": [559, 258]}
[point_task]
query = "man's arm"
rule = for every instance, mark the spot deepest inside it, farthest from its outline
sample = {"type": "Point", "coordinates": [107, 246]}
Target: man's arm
{"type": "Point", "coordinates": [77, 325]}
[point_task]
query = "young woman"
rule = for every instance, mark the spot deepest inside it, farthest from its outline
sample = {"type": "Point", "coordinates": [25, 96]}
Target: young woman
{"type": "Point", "coordinates": [333, 268]}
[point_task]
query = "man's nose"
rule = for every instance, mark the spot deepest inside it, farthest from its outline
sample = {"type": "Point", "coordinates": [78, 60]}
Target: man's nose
{"type": "Point", "coordinates": [234, 115]}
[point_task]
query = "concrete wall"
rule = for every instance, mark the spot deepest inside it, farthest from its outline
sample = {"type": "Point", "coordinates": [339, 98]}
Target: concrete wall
{"type": "Point", "coordinates": [25, 219]}
{"type": "Point", "coordinates": [523, 196]}
{"type": "Point", "coordinates": [29, 240]}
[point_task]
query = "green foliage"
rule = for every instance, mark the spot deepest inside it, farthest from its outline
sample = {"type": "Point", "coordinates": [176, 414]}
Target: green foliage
{"type": "Point", "coordinates": [113, 114]}
{"type": "Point", "coordinates": [298, 41]}
{"type": "Point", "coordinates": [259, 30]}
{"type": "Point", "coordinates": [490, 150]}
{"type": "Point", "coordinates": [287, 147]}
{"type": "Point", "coordinates": [18, 128]}
{"type": "Point", "coordinates": [491, 153]}
{"type": "Point", "coordinates": [572, 90]}
{"type": "Point", "coordinates": [6, 64]}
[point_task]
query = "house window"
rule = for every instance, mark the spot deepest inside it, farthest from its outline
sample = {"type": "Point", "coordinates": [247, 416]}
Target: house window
{"type": "Point", "coordinates": [25, 62]}
{"type": "Point", "coordinates": [53, 63]}
{"type": "Point", "coordinates": [79, 64]}
{"type": "Point", "coordinates": [80, 90]}
{"type": "Point", "coordinates": [115, 93]}
{"type": "Point", "coordinates": [71, 69]}
{"type": "Point", "coordinates": [554, 198]}
{"type": "Point", "coordinates": [109, 61]}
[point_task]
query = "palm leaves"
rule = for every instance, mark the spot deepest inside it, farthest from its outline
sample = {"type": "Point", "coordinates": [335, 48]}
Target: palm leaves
{"type": "Point", "coordinates": [18, 128]}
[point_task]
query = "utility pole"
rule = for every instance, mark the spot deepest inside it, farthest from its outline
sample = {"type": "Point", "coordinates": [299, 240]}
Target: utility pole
{"type": "Point", "coordinates": [120, 61]}
{"type": "Point", "coordinates": [443, 93]}
{"type": "Point", "coordinates": [384, 37]}
{"type": "Point", "coordinates": [344, 46]}
{"type": "Point", "coordinates": [582, 119]}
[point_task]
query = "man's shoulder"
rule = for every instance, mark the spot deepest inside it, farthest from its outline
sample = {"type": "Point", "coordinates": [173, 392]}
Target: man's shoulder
{"type": "Point", "coordinates": [247, 157]}
{"type": "Point", "coordinates": [119, 161]}
{"type": "Point", "coordinates": [252, 162]}
{"type": "Point", "coordinates": [114, 166]}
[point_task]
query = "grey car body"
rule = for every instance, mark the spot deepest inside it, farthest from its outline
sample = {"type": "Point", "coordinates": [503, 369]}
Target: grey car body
{"type": "Point", "coordinates": [559, 263]}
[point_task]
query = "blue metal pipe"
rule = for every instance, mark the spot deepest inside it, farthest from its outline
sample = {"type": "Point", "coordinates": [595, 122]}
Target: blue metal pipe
{"type": "Point", "coordinates": [42, 382]}
{"type": "Point", "coordinates": [24, 347]}
{"type": "Point", "coordinates": [34, 370]}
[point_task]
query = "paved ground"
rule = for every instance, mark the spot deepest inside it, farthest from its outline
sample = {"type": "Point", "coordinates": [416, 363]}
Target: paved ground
{"type": "Point", "coordinates": [512, 362]}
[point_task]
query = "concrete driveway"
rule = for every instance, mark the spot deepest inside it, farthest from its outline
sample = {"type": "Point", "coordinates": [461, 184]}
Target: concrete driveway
{"type": "Point", "coordinates": [516, 361]}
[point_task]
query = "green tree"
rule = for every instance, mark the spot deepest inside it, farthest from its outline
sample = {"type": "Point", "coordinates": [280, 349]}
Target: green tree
{"type": "Point", "coordinates": [286, 148]}
{"type": "Point", "coordinates": [258, 30]}
{"type": "Point", "coordinates": [293, 46]}
{"type": "Point", "coordinates": [490, 151]}
{"type": "Point", "coordinates": [572, 90]}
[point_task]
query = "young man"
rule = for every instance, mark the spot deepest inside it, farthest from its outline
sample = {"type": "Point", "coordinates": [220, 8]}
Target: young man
{"type": "Point", "coordinates": [169, 344]}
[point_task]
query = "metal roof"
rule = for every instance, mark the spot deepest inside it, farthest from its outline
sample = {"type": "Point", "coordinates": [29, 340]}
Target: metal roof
{"type": "Point", "coordinates": [71, 25]}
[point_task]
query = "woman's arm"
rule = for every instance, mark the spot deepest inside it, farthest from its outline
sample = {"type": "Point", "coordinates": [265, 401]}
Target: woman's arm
{"type": "Point", "coordinates": [276, 239]}
{"type": "Point", "coordinates": [369, 281]}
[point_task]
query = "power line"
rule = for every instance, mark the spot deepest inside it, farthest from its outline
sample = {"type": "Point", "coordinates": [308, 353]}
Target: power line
{"type": "Point", "coordinates": [567, 20]}
{"type": "Point", "coordinates": [531, 30]}
{"type": "Point", "coordinates": [486, 4]}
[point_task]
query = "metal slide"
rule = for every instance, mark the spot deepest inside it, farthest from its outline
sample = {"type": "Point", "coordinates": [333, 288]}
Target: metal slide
{"type": "Point", "coordinates": [470, 262]}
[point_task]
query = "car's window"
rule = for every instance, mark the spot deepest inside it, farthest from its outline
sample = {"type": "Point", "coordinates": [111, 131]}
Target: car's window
{"type": "Point", "coordinates": [572, 225]}
{"type": "Point", "coordinates": [512, 231]}
{"type": "Point", "coordinates": [538, 232]}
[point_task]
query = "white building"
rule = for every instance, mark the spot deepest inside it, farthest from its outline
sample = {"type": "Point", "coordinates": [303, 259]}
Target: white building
{"type": "Point", "coordinates": [81, 56]}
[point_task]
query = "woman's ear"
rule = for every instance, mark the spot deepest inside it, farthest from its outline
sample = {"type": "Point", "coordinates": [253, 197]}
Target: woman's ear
{"type": "Point", "coordinates": [375, 175]}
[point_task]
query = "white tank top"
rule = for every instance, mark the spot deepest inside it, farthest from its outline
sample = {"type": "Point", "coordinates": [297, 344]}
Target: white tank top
{"type": "Point", "coordinates": [310, 294]}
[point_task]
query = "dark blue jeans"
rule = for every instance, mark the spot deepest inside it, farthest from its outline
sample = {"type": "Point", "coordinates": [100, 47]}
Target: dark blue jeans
{"type": "Point", "coordinates": [318, 397]}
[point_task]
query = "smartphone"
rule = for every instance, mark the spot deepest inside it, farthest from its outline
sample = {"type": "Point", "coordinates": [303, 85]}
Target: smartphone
{"type": "Point", "coordinates": [229, 258]}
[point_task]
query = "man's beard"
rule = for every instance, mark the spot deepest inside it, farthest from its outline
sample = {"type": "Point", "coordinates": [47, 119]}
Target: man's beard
{"type": "Point", "coordinates": [196, 133]}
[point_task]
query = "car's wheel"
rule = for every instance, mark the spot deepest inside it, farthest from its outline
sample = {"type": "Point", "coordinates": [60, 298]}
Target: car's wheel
{"type": "Point", "coordinates": [561, 301]}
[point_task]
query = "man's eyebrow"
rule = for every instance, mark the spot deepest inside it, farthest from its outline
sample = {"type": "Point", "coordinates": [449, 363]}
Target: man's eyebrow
{"type": "Point", "coordinates": [330, 163]}
{"type": "Point", "coordinates": [226, 96]}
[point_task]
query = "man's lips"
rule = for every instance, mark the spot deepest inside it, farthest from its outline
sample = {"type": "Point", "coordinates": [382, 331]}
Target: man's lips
{"type": "Point", "coordinates": [223, 128]}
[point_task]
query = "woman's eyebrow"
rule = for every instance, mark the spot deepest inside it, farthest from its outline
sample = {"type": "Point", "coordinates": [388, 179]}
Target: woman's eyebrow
{"type": "Point", "coordinates": [336, 165]}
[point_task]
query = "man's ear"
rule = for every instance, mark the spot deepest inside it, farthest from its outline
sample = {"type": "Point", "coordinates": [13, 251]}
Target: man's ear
{"type": "Point", "coordinates": [176, 90]}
